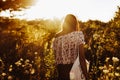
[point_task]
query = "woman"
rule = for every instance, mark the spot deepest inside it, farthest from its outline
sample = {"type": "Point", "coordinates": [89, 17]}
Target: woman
{"type": "Point", "coordinates": [68, 44]}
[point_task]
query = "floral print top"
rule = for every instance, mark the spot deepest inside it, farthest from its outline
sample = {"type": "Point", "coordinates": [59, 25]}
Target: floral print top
{"type": "Point", "coordinates": [66, 47]}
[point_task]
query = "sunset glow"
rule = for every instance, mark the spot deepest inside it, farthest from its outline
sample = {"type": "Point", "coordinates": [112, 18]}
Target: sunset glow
{"type": "Point", "coordinates": [102, 10]}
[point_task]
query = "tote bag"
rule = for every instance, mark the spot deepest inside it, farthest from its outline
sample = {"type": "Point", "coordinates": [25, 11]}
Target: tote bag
{"type": "Point", "coordinates": [76, 71]}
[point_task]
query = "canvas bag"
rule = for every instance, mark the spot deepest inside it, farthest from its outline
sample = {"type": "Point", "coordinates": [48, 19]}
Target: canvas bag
{"type": "Point", "coordinates": [76, 71]}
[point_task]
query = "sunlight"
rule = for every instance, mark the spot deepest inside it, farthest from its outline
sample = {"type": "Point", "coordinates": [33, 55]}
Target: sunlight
{"type": "Point", "coordinates": [103, 10]}
{"type": "Point", "coordinates": [5, 13]}
{"type": "Point", "coordinates": [47, 9]}
{"type": "Point", "coordinates": [84, 9]}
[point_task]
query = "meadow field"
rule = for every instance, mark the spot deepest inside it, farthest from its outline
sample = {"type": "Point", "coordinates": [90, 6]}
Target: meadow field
{"type": "Point", "coordinates": [26, 48]}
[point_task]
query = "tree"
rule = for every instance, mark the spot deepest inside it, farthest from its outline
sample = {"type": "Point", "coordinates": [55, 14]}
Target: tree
{"type": "Point", "coordinates": [15, 5]}
{"type": "Point", "coordinates": [117, 14]}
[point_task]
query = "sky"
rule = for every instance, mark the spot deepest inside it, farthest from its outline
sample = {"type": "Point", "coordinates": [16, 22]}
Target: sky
{"type": "Point", "coordinates": [84, 10]}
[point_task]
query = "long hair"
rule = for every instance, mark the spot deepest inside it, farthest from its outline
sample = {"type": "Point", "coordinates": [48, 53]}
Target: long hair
{"type": "Point", "coordinates": [70, 23]}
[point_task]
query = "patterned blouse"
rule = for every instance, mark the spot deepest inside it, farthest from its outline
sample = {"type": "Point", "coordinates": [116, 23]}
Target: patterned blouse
{"type": "Point", "coordinates": [66, 47]}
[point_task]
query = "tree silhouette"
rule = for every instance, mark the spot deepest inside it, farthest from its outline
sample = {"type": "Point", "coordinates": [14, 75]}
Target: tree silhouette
{"type": "Point", "coordinates": [15, 5]}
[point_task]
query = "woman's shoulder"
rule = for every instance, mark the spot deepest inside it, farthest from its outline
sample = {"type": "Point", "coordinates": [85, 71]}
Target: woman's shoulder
{"type": "Point", "coordinates": [60, 34]}
{"type": "Point", "coordinates": [78, 33]}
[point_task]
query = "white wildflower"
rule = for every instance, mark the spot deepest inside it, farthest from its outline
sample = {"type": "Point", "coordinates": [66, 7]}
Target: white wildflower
{"type": "Point", "coordinates": [30, 65]}
{"type": "Point", "coordinates": [10, 77]}
{"type": "Point", "coordinates": [107, 59]}
{"type": "Point", "coordinates": [106, 71]}
{"type": "Point", "coordinates": [21, 59]}
{"type": "Point", "coordinates": [101, 68]}
{"type": "Point", "coordinates": [18, 63]}
{"type": "Point", "coordinates": [117, 74]}
{"type": "Point", "coordinates": [27, 61]}
{"type": "Point", "coordinates": [0, 60]}
{"type": "Point", "coordinates": [17, 46]}
{"type": "Point", "coordinates": [32, 71]}
{"type": "Point", "coordinates": [23, 65]}
{"type": "Point", "coordinates": [104, 66]}
{"type": "Point", "coordinates": [10, 69]}
{"type": "Point", "coordinates": [89, 48]}
{"type": "Point", "coordinates": [3, 74]}
{"type": "Point", "coordinates": [11, 65]}
{"type": "Point", "coordinates": [36, 53]}
{"type": "Point", "coordinates": [118, 68]}
{"type": "Point", "coordinates": [115, 59]}
{"type": "Point", "coordinates": [110, 66]}
{"type": "Point", "coordinates": [32, 61]}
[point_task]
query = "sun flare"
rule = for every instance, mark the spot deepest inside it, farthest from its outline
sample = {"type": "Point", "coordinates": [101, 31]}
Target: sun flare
{"type": "Point", "coordinates": [84, 9]}
{"type": "Point", "coordinates": [102, 10]}
{"type": "Point", "coordinates": [49, 9]}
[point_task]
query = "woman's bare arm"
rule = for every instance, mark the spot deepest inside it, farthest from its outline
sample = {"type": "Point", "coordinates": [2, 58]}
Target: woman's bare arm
{"type": "Point", "coordinates": [82, 61]}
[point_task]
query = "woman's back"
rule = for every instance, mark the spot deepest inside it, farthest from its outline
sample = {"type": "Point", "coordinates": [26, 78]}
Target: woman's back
{"type": "Point", "coordinates": [66, 47]}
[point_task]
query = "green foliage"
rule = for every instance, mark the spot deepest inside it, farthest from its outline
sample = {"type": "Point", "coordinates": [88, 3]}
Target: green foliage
{"type": "Point", "coordinates": [30, 41]}
{"type": "Point", "coordinates": [102, 41]}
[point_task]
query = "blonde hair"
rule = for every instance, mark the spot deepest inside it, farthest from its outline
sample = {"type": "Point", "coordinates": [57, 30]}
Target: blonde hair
{"type": "Point", "coordinates": [70, 22]}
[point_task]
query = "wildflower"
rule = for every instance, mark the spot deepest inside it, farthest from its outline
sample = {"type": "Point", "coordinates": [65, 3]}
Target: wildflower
{"type": "Point", "coordinates": [106, 71]}
{"type": "Point", "coordinates": [110, 66]}
{"type": "Point", "coordinates": [21, 59]}
{"type": "Point", "coordinates": [32, 61]}
{"type": "Point", "coordinates": [11, 65]}
{"type": "Point", "coordinates": [117, 74]}
{"type": "Point", "coordinates": [118, 68]}
{"type": "Point", "coordinates": [3, 74]}
{"type": "Point", "coordinates": [1, 63]}
{"type": "Point", "coordinates": [104, 66]}
{"type": "Point", "coordinates": [10, 77]}
{"type": "Point", "coordinates": [18, 63]}
{"type": "Point", "coordinates": [89, 48]}
{"type": "Point", "coordinates": [111, 74]}
{"type": "Point", "coordinates": [36, 53]}
{"type": "Point", "coordinates": [23, 65]}
{"type": "Point", "coordinates": [95, 46]}
{"type": "Point", "coordinates": [99, 47]}
{"type": "Point", "coordinates": [103, 35]}
{"type": "Point", "coordinates": [32, 71]}
{"type": "Point", "coordinates": [10, 69]}
{"type": "Point", "coordinates": [100, 67]}
{"type": "Point", "coordinates": [115, 59]}
{"type": "Point", "coordinates": [26, 72]}
{"type": "Point", "coordinates": [116, 43]}
{"type": "Point", "coordinates": [17, 46]}
{"type": "Point", "coordinates": [0, 60]}
{"type": "Point", "coordinates": [30, 65]}
{"type": "Point", "coordinates": [107, 59]}
{"type": "Point", "coordinates": [96, 36]}
{"type": "Point", "coordinates": [27, 61]}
